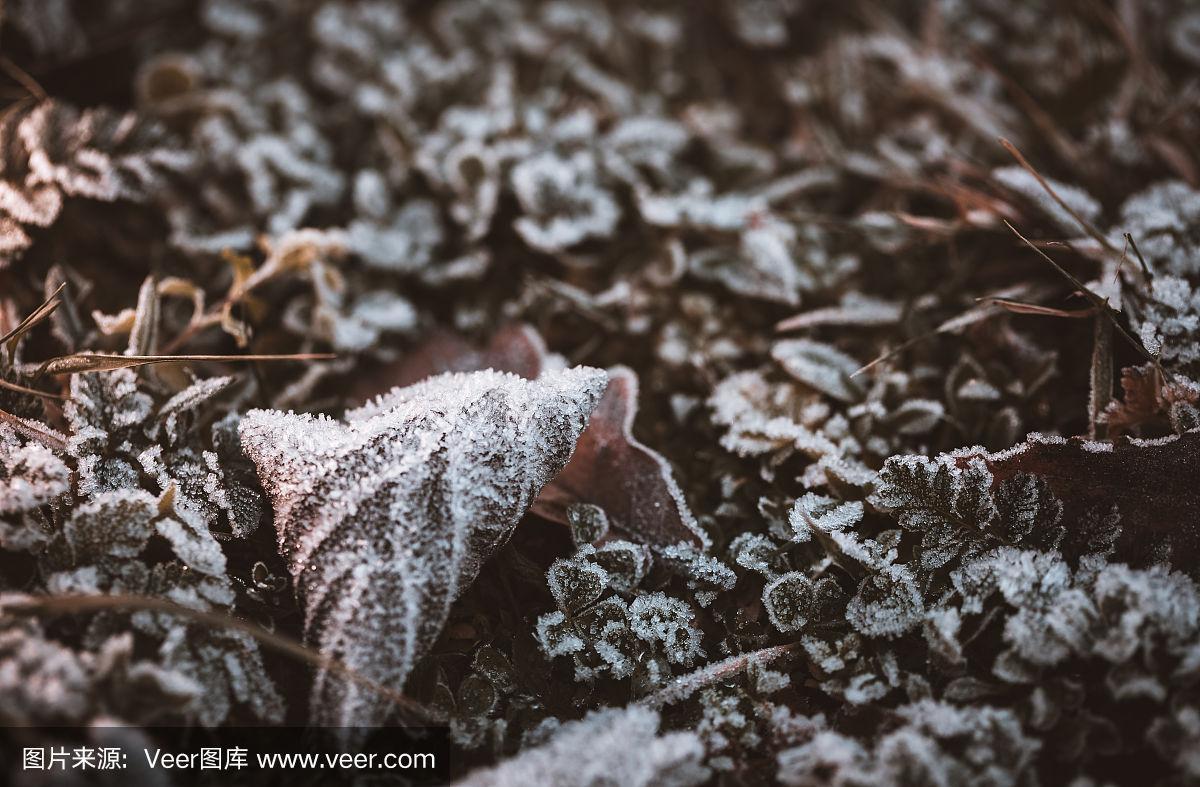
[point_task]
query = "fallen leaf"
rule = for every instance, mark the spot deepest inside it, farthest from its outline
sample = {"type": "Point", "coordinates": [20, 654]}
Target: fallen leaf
{"type": "Point", "coordinates": [515, 348]}
{"type": "Point", "coordinates": [632, 483]}
{"type": "Point", "coordinates": [611, 469]}
{"type": "Point", "coordinates": [386, 518]}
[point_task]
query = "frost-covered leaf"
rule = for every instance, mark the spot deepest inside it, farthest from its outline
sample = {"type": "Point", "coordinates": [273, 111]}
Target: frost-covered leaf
{"type": "Point", "coordinates": [378, 567]}
{"type": "Point", "coordinates": [819, 366]}
{"type": "Point", "coordinates": [626, 563]}
{"type": "Point", "coordinates": [588, 523]}
{"type": "Point", "coordinates": [563, 201]}
{"type": "Point", "coordinates": [706, 575]}
{"type": "Point", "coordinates": [613, 746]}
{"type": "Point", "coordinates": [757, 552]}
{"type": "Point", "coordinates": [824, 514]}
{"type": "Point", "coordinates": [657, 617]}
{"type": "Point", "coordinates": [789, 601]}
{"type": "Point", "coordinates": [951, 506]}
{"type": "Point", "coordinates": [634, 484]}
{"type": "Point", "coordinates": [53, 151]}
{"type": "Point", "coordinates": [30, 473]}
{"type": "Point", "coordinates": [575, 583]}
{"type": "Point", "coordinates": [887, 604]}
{"type": "Point", "coordinates": [1154, 217]}
{"type": "Point", "coordinates": [112, 523]}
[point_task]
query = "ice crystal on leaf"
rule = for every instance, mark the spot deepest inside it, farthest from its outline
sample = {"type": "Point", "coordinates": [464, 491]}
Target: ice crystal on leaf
{"type": "Point", "coordinates": [45, 682]}
{"type": "Point", "coordinates": [576, 584]}
{"type": "Point", "coordinates": [588, 523]}
{"type": "Point", "coordinates": [656, 617]}
{"type": "Point", "coordinates": [952, 507]}
{"type": "Point", "coordinates": [887, 603]}
{"type": "Point", "coordinates": [820, 367]}
{"type": "Point", "coordinates": [1160, 219]}
{"type": "Point", "coordinates": [51, 151]}
{"type": "Point", "coordinates": [563, 202]}
{"type": "Point", "coordinates": [386, 518]}
{"type": "Point", "coordinates": [1170, 325]}
{"type": "Point", "coordinates": [789, 601]}
{"type": "Point", "coordinates": [813, 511]}
{"type": "Point", "coordinates": [611, 746]}
{"type": "Point", "coordinates": [30, 473]}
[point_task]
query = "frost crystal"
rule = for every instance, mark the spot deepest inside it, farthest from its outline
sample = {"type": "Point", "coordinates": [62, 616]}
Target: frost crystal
{"type": "Point", "coordinates": [605, 747]}
{"type": "Point", "coordinates": [30, 474]}
{"type": "Point", "coordinates": [819, 366]}
{"type": "Point", "coordinates": [887, 604]}
{"type": "Point", "coordinates": [657, 617]}
{"type": "Point", "coordinates": [385, 519]}
{"type": "Point", "coordinates": [789, 601]}
{"type": "Point", "coordinates": [1021, 181]}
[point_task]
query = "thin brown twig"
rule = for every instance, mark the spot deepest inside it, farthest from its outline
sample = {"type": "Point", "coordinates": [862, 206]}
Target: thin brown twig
{"type": "Point", "coordinates": [23, 78]}
{"type": "Point", "coordinates": [1100, 303]}
{"type": "Point", "coordinates": [99, 362]}
{"type": "Point", "coordinates": [31, 391]}
{"type": "Point", "coordinates": [44, 310]}
{"type": "Point", "coordinates": [1084, 223]}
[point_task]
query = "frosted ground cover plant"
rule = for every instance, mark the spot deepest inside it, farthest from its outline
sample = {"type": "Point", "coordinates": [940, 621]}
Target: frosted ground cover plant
{"type": "Point", "coordinates": [657, 393]}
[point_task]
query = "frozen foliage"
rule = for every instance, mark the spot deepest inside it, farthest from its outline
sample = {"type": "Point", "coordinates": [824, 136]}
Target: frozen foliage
{"type": "Point", "coordinates": [30, 474]}
{"type": "Point", "coordinates": [950, 506]}
{"type": "Point", "coordinates": [101, 532]}
{"type": "Point", "coordinates": [887, 604]}
{"type": "Point", "coordinates": [933, 743]}
{"type": "Point", "coordinates": [656, 617]}
{"type": "Point", "coordinates": [615, 746]}
{"type": "Point", "coordinates": [562, 201]}
{"type": "Point", "coordinates": [1170, 323]}
{"type": "Point", "coordinates": [1161, 220]}
{"type": "Point", "coordinates": [786, 218]}
{"type": "Point", "coordinates": [588, 523]}
{"type": "Point", "coordinates": [1020, 180]}
{"type": "Point", "coordinates": [385, 519]}
{"type": "Point", "coordinates": [773, 260]}
{"type": "Point", "coordinates": [819, 366]}
{"type": "Point", "coordinates": [50, 152]}
{"type": "Point", "coordinates": [44, 682]}
{"type": "Point", "coordinates": [609, 636]}
{"type": "Point", "coordinates": [821, 513]}
{"type": "Point", "coordinates": [789, 601]}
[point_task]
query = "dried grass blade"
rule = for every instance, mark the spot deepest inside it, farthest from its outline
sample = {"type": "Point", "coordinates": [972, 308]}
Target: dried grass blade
{"type": "Point", "coordinates": [96, 362]}
{"type": "Point", "coordinates": [1084, 223]}
{"type": "Point", "coordinates": [1100, 303]}
{"type": "Point", "coordinates": [1017, 307]}
{"type": "Point", "coordinates": [36, 316]}
{"type": "Point", "coordinates": [35, 431]}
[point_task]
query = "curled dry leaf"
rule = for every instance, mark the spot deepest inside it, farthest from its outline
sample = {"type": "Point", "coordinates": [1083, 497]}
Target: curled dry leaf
{"type": "Point", "coordinates": [632, 483]}
{"type": "Point", "coordinates": [386, 518]}
{"type": "Point", "coordinates": [514, 348]}
{"type": "Point", "coordinates": [611, 469]}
